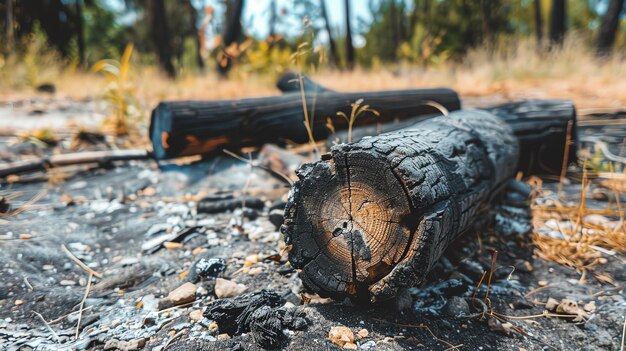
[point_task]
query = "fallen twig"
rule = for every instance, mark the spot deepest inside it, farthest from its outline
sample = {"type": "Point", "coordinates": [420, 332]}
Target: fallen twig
{"type": "Point", "coordinates": [423, 326]}
{"type": "Point", "coordinates": [80, 263]}
{"type": "Point", "coordinates": [82, 303]}
{"type": "Point", "coordinates": [28, 284]}
{"type": "Point", "coordinates": [26, 206]}
{"type": "Point", "coordinates": [623, 334]}
{"type": "Point", "coordinates": [174, 337]}
{"type": "Point", "coordinates": [280, 176]}
{"type": "Point", "coordinates": [56, 336]}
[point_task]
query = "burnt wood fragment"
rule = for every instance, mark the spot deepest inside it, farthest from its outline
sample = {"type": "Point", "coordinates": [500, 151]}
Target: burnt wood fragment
{"type": "Point", "coordinates": [374, 216]}
{"type": "Point", "coordinates": [258, 313]}
{"type": "Point", "coordinates": [209, 205]}
{"type": "Point", "coordinates": [184, 128]}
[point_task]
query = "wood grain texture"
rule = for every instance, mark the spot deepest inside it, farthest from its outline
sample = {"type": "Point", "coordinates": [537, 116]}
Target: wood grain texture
{"type": "Point", "coordinates": [374, 216]}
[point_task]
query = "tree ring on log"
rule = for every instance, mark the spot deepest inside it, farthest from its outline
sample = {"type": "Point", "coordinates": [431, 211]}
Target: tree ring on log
{"type": "Point", "coordinates": [375, 215]}
{"type": "Point", "coordinates": [361, 223]}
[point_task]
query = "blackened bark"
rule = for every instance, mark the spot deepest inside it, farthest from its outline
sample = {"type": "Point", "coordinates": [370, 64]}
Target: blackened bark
{"type": "Point", "coordinates": [349, 45]}
{"type": "Point", "coordinates": [161, 36]}
{"type": "Point", "coordinates": [539, 125]}
{"type": "Point", "coordinates": [610, 23]}
{"type": "Point", "coordinates": [557, 22]}
{"type": "Point", "coordinates": [203, 127]}
{"type": "Point", "coordinates": [230, 34]}
{"type": "Point", "coordinates": [334, 55]}
{"type": "Point", "coordinates": [374, 216]}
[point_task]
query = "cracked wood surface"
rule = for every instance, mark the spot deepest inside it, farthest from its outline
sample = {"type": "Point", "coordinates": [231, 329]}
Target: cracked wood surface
{"type": "Point", "coordinates": [375, 215]}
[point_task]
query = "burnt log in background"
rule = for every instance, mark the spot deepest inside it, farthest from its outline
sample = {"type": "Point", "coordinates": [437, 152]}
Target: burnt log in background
{"type": "Point", "coordinates": [374, 216]}
{"type": "Point", "coordinates": [186, 128]}
{"type": "Point", "coordinates": [540, 126]}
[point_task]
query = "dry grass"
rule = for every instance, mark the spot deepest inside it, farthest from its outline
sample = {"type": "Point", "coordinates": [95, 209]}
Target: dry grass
{"type": "Point", "coordinates": [514, 72]}
{"type": "Point", "coordinates": [577, 236]}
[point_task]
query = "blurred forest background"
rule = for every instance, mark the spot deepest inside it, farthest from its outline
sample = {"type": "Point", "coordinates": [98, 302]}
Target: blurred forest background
{"type": "Point", "coordinates": [185, 48]}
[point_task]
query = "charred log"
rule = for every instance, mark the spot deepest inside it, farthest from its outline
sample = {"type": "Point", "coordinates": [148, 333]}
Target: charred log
{"type": "Point", "coordinates": [203, 127]}
{"type": "Point", "coordinates": [374, 216]}
{"type": "Point", "coordinates": [540, 126]}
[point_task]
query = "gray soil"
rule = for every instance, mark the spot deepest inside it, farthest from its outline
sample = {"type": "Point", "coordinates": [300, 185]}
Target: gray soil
{"type": "Point", "coordinates": [108, 218]}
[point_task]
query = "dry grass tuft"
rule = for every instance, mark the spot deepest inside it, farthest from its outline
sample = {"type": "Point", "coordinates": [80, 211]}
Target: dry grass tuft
{"type": "Point", "coordinates": [576, 236]}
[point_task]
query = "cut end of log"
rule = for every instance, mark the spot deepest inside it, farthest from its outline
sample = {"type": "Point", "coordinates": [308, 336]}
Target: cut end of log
{"type": "Point", "coordinates": [359, 217]}
{"type": "Point", "coordinates": [374, 216]}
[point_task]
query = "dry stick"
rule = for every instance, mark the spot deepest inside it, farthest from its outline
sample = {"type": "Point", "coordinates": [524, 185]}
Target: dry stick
{"type": "Point", "coordinates": [174, 337]}
{"type": "Point", "coordinates": [56, 336]}
{"type": "Point", "coordinates": [623, 334]}
{"type": "Point", "coordinates": [28, 284]}
{"type": "Point", "coordinates": [494, 257]}
{"type": "Point", "coordinates": [616, 193]}
{"type": "Point", "coordinates": [535, 315]}
{"type": "Point", "coordinates": [244, 191]}
{"type": "Point", "coordinates": [479, 284]}
{"type": "Point", "coordinates": [176, 307]}
{"type": "Point", "coordinates": [424, 326]}
{"type": "Point", "coordinates": [275, 173]}
{"type": "Point", "coordinates": [513, 326]}
{"type": "Point", "coordinates": [536, 290]}
{"type": "Point", "coordinates": [27, 205]}
{"type": "Point", "coordinates": [306, 113]}
{"type": "Point", "coordinates": [58, 319]}
{"type": "Point", "coordinates": [568, 139]}
{"type": "Point", "coordinates": [82, 303]}
{"type": "Point", "coordinates": [80, 263]}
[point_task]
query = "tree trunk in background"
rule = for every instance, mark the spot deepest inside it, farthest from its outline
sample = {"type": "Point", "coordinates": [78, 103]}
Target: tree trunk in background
{"type": "Point", "coordinates": [349, 46]}
{"type": "Point", "coordinates": [395, 33]}
{"type": "Point", "coordinates": [272, 19]}
{"type": "Point", "coordinates": [557, 22]}
{"type": "Point", "coordinates": [194, 31]}
{"type": "Point", "coordinates": [230, 34]}
{"type": "Point", "coordinates": [485, 8]}
{"type": "Point", "coordinates": [610, 23]}
{"type": "Point", "coordinates": [334, 56]}
{"type": "Point", "coordinates": [10, 35]}
{"type": "Point", "coordinates": [161, 35]}
{"type": "Point", "coordinates": [80, 36]}
{"type": "Point", "coordinates": [538, 21]}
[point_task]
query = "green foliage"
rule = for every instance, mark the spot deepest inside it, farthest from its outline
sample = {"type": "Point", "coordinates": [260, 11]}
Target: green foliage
{"type": "Point", "coordinates": [104, 36]}
{"type": "Point", "coordinates": [119, 92]}
{"type": "Point", "coordinates": [355, 112]}
{"type": "Point", "coordinates": [265, 57]}
{"type": "Point", "coordinates": [412, 32]}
